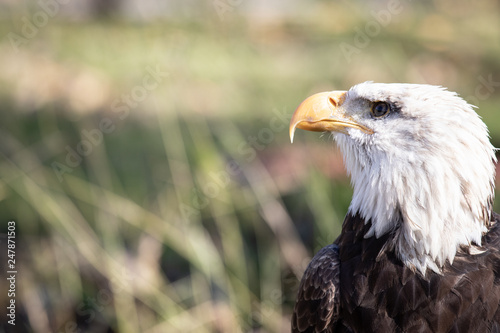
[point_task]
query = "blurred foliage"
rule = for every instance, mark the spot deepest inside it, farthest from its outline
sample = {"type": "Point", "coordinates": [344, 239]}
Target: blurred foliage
{"type": "Point", "coordinates": [148, 165]}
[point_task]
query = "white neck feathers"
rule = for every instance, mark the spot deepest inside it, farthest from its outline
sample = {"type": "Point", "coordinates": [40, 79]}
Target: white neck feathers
{"type": "Point", "coordinates": [432, 187]}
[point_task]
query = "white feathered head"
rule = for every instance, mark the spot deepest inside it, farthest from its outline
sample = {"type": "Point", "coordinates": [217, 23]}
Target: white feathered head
{"type": "Point", "coordinates": [420, 161]}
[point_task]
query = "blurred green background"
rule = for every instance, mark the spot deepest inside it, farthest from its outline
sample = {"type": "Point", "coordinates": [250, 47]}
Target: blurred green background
{"type": "Point", "coordinates": [145, 155]}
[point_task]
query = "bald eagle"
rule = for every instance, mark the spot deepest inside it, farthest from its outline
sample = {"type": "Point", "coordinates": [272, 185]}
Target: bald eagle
{"type": "Point", "coordinates": [419, 247]}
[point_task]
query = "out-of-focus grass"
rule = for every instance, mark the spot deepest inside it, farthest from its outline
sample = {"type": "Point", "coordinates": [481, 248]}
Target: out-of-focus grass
{"type": "Point", "coordinates": [194, 213]}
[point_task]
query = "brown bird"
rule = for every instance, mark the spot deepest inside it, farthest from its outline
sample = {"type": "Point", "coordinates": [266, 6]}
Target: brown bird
{"type": "Point", "coordinates": [419, 247]}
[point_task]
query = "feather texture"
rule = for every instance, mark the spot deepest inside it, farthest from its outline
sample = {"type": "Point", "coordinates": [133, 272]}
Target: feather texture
{"type": "Point", "coordinates": [357, 285]}
{"type": "Point", "coordinates": [419, 248]}
{"type": "Point", "coordinates": [428, 167]}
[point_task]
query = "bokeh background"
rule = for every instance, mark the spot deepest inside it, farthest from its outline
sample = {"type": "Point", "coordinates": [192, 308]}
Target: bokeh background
{"type": "Point", "coordinates": [145, 158]}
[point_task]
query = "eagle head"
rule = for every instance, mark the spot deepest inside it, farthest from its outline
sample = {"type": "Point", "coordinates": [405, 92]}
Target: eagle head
{"type": "Point", "coordinates": [420, 161]}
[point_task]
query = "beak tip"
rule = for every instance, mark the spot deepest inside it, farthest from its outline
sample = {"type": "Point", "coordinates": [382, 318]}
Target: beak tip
{"type": "Point", "coordinates": [292, 133]}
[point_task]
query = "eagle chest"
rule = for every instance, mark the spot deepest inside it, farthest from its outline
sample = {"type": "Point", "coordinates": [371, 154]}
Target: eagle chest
{"type": "Point", "coordinates": [378, 293]}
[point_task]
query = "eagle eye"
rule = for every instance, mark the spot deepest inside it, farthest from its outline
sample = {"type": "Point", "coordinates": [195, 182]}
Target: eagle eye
{"type": "Point", "coordinates": [380, 109]}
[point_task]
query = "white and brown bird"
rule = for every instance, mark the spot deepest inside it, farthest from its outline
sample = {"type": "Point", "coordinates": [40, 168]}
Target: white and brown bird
{"type": "Point", "coordinates": [419, 247]}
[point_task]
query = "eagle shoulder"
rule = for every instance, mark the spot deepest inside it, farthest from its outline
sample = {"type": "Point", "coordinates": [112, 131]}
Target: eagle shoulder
{"type": "Point", "coordinates": [317, 306]}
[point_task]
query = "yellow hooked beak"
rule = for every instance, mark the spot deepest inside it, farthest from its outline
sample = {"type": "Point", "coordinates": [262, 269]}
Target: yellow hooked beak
{"type": "Point", "coordinates": [322, 112]}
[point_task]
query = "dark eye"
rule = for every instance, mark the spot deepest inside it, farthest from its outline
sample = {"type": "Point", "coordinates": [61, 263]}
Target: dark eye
{"type": "Point", "coordinates": [380, 109]}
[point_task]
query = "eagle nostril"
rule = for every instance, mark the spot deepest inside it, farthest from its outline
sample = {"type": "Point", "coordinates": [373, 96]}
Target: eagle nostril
{"type": "Point", "coordinates": [332, 101]}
